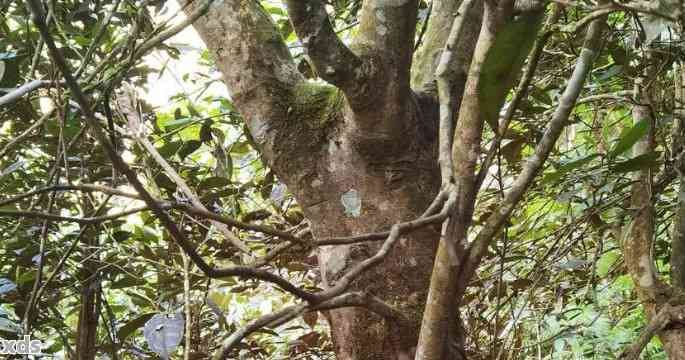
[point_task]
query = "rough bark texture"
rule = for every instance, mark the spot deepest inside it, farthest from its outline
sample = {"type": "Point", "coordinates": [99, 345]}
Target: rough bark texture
{"type": "Point", "coordinates": [674, 339]}
{"type": "Point", "coordinates": [323, 146]}
{"type": "Point", "coordinates": [368, 133]}
{"type": "Point", "coordinates": [638, 240]}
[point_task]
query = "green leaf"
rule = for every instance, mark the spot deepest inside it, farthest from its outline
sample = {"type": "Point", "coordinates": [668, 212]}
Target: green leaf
{"type": "Point", "coordinates": [165, 182]}
{"type": "Point", "coordinates": [629, 137]}
{"type": "Point", "coordinates": [206, 131]}
{"type": "Point", "coordinates": [170, 148]}
{"type": "Point", "coordinates": [188, 148]}
{"type": "Point", "coordinates": [639, 162]}
{"type": "Point", "coordinates": [214, 182]}
{"type": "Point", "coordinates": [120, 236]}
{"type": "Point", "coordinates": [605, 263]}
{"type": "Point", "coordinates": [504, 61]}
{"type": "Point", "coordinates": [127, 282]}
{"type": "Point", "coordinates": [568, 166]}
{"type": "Point", "coordinates": [133, 325]}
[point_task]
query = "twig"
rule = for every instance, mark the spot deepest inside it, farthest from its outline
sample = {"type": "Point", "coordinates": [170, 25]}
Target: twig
{"type": "Point", "coordinates": [165, 35]}
{"type": "Point", "coordinates": [78, 220]}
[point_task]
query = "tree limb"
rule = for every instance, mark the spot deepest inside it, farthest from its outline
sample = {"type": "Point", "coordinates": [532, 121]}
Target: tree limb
{"type": "Point", "coordinates": [256, 65]}
{"type": "Point", "coordinates": [289, 313]}
{"type": "Point", "coordinates": [333, 61]}
{"type": "Point", "coordinates": [17, 93]}
{"type": "Point", "coordinates": [591, 48]}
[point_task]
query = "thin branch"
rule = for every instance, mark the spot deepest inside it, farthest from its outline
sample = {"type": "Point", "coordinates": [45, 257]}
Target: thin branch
{"type": "Point", "coordinates": [66, 187]}
{"type": "Point", "coordinates": [78, 220]}
{"type": "Point", "coordinates": [96, 39]}
{"type": "Point", "coordinates": [198, 12]}
{"type": "Point", "coordinates": [35, 299]}
{"type": "Point", "coordinates": [127, 104]}
{"type": "Point", "coordinates": [396, 231]}
{"type": "Point", "coordinates": [26, 133]}
{"type": "Point", "coordinates": [17, 93]}
{"type": "Point", "coordinates": [289, 313]}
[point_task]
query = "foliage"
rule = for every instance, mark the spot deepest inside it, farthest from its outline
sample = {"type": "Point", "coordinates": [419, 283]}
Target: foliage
{"type": "Point", "coordinates": [553, 284]}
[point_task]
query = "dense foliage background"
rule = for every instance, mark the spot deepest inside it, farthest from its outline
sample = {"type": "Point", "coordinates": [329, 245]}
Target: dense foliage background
{"type": "Point", "coordinates": [553, 285]}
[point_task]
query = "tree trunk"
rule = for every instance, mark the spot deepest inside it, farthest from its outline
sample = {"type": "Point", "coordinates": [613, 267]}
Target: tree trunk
{"type": "Point", "coordinates": [326, 143]}
{"type": "Point", "coordinates": [89, 311]}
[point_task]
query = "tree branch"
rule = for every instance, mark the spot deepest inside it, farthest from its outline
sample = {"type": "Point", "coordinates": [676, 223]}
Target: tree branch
{"type": "Point", "coordinates": [333, 61]}
{"type": "Point", "coordinates": [275, 319]}
{"type": "Point", "coordinates": [26, 133]}
{"type": "Point", "coordinates": [443, 16]}
{"type": "Point", "coordinates": [17, 93]}
{"type": "Point", "coordinates": [591, 48]}
{"type": "Point", "coordinates": [127, 105]}
{"type": "Point", "coordinates": [256, 65]}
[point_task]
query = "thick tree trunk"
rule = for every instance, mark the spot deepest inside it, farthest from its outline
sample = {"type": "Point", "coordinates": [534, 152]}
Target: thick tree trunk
{"type": "Point", "coordinates": [376, 141]}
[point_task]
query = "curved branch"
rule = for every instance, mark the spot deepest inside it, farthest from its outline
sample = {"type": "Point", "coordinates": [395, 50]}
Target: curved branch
{"type": "Point", "coordinates": [395, 232]}
{"type": "Point", "coordinates": [358, 299]}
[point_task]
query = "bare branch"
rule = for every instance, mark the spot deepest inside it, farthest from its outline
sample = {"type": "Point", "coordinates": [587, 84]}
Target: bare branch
{"type": "Point", "coordinates": [78, 220]}
{"type": "Point", "coordinates": [396, 231]}
{"type": "Point", "coordinates": [17, 93]}
{"type": "Point", "coordinates": [67, 187]}
{"type": "Point", "coordinates": [127, 105]}
{"type": "Point", "coordinates": [289, 313]}
{"type": "Point", "coordinates": [426, 59]}
{"type": "Point", "coordinates": [26, 133]}
{"type": "Point", "coordinates": [200, 10]}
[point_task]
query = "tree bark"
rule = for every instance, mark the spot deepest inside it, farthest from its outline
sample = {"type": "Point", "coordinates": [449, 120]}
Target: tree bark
{"type": "Point", "coordinates": [324, 143]}
{"type": "Point", "coordinates": [89, 311]}
{"type": "Point", "coordinates": [652, 292]}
